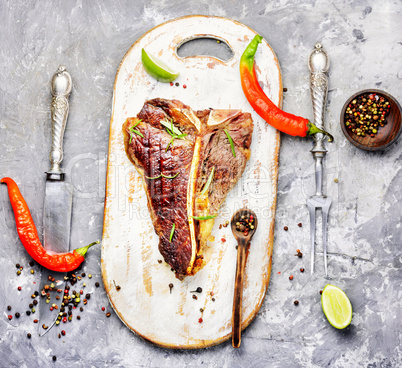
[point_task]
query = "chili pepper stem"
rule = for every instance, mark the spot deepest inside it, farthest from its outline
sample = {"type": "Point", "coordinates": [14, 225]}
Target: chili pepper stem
{"type": "Point", "coordinates": [312, 129]}
{"type": "Point", "coordinates": [83, 250]}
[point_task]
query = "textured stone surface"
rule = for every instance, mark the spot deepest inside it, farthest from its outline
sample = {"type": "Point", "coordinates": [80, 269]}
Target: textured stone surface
{"type": "Point", "coordinates": [363, 40]}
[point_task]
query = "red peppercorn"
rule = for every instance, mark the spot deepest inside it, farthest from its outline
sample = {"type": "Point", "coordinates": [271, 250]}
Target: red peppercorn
{"type": "Point", "coordinates": [291, 277]}
{"type": "Point", "coordinates": [81, 292]}
{"type": "Point", "coordinates": [63, 333]}
{"type": "Point", "coordinates": [64, 319]}
{"type": "Point", "coordinates": [200, 320]}
{"type": "Point", "coordinates": [302, 270]}
{"type": "Point", "coordinates": [320, 291]}
{"type": "Point", "coordinates": [19, 288]}
{"type": "Point", "coordinates": [223, 240]}
{"type": "Point", "coordinates": [103, 309]}
{"type": "Point", "coordinates": [10, 317]}
{"type": "Point", "coordinates": [184, 86]}
{"type": "Point", "coordinates": [171, 83]}
{"type": "Point", "coordinates": [51, 308]}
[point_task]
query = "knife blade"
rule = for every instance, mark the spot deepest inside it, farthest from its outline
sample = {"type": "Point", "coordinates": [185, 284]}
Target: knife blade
{"type": "Point", "coordinates": [57, 206]}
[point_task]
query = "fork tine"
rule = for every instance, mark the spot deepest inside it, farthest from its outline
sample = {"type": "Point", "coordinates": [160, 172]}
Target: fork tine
{"type": "Point", "coordinates": [311, 210]}
{"type": "Point", "coordinates": [324, 236]}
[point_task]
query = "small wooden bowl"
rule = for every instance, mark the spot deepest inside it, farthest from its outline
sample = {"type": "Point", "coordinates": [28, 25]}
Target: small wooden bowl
{"type": "Point", "coordinates": [386, 135]}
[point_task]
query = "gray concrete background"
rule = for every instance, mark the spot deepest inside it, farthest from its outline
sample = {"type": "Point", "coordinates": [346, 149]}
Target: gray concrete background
{"type": "Point", "coordinates": [363, 40]}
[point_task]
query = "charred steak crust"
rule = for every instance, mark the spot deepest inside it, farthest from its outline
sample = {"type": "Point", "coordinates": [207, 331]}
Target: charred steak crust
{"type": "Point", "coordinates": [206, 146]}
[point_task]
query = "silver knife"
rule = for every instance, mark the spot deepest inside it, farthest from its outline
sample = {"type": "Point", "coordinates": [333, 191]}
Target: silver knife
{"type": "Point", "coordinates": [58, 205]}
{"type": "Point", "coordinates": [318, 65]}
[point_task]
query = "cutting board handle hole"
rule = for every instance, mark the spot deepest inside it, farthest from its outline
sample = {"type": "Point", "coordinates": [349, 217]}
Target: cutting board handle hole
{"type": "Point", "coordinates": [205, 46]}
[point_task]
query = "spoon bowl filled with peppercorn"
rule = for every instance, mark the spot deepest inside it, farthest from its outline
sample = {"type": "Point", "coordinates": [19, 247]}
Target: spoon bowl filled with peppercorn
{"type": "Point", "coordinates": [244, 224]}
{"type": "Point", "coordinates": [371, 119]}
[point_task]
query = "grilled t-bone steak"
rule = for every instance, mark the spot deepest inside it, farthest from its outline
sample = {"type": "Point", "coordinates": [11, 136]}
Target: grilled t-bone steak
{"type": "Point", "coordinates": [176, 151]}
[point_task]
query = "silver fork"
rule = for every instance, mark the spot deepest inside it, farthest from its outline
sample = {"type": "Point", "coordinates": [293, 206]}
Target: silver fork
{"type": "Point", "coordinates": [318, 65]}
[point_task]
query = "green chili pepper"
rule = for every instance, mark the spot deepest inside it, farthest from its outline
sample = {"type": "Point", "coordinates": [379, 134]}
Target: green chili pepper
{"type": "Point", "coordinates": [132, 130]}
{"type": "Point", "coordinates": [231, 142]}
{"type": "Point", "coordinates": [204, 217]}
{"type": "Point", "coordinates": [172, 232]}
{"type": "Point", "coordinates": [211, 175]}
{"type": "Point", "coordinates": [164, 176]}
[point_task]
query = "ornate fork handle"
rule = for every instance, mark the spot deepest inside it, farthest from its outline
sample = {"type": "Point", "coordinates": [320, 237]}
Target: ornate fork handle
{"type": "Point", "coordinates": [318, 65]}
{"type": "Point", "coordinates": [61, 89]}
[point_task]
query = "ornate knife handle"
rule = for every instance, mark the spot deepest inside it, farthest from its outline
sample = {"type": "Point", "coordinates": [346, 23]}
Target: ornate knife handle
{"type": "Point", "coordinates": [61, 89]}
{"type": "Point", "coordinates": [318, 65]}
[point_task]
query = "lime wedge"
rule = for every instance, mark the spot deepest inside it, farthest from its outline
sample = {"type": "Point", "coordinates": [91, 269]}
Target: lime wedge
{"type": "Point", "coordinates": [157, 68]}
{"type": "Point", "coordinates": [336, 306]}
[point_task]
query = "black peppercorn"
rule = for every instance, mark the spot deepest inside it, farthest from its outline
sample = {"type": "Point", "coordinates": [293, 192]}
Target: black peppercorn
{"type": "Point", "coordinates": [97, 284]}
{"type": "Point", "coordinates": [296, 302]}
{"type": "Point", "coordinates": [29, 335]}
{"type": "Point", "coordinates": [54, 358]}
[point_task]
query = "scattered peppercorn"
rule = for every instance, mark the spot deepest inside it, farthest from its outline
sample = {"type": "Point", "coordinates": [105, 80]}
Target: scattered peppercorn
{"type": "Point", "coordinates": [201, 310]}
{"type": "Point", "coordinates": [335, 180]}
{"type": "Point", "coordinates": [299, 224]}
{"type": "Point", "coordinates": [286, 228]}
{"type": "Point", "coordinates": [159, 261]}
{"type": "Point", "coordinates": [108, 314]}
{"type": "Point", "coordinates": [28, 312]}
{"type": "Point", "coordinates": [10, 317]}
{"type": "Point", "coordinates": [17, 315]}
{"type": "Point", "coordinates": [18, 272]}
{"type": "Point", "coordinates": [223, 240]}
{"type": "Point", "coordinates": [31, 263]}
{"type": "Point", "coordinates": [296, 302]}
{"type": "Point", "coordinates": [54, 358]}
{"type": "Point", "coordinates": [285, 90]}
{"type": "Point", "coordinates": [29, 335]}
{"type": "Point", "coordinates": [177, 84]}
{"type": "Point", "coordinates": [78, 317]}
{"type": "Point", "coordinates": [200, 320]}
{"type": "Point", "coordinates": [213, 299]}
{"type": "Point", "coordinates": [184, 86]}
{"type": "Point", "coordinates": [35, 321]}
{"type": "Point", "coordinates": [97, 284]}
{"type": "Point", "coordinates": [103, 309]}
{"type": "Point", "coordinates": [63, 332]}
{"type": "Point", "coordinates": [195, 297]}
{"type": "Point", "coordinates": [302, 270]}
{"type": "Point", "coordinates": [171, 83]}
{"type": "Point", "coordinates": [320, 291]}
{"type": "Point", "coordinates": [9, 307]}
{"type": "Point", "coordinates": [118, 287]}
{"type": "Point", "coordinates": [17, 265]}
{"type": "Point", "coordinates": [291, 277]}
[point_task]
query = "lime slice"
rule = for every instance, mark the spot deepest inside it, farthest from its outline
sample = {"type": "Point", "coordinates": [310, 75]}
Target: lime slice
{"type": "Point", "coordinates": [336, 306]}
{"type": "Point", "coordinates": [157, 68]}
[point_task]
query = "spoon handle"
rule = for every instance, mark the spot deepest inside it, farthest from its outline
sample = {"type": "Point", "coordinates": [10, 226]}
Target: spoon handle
{"type": "Point", "coordinates": [238, 293]}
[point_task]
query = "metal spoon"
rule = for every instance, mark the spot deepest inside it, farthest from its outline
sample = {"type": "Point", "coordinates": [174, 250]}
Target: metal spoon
{"type": "Point", "coordinates": [242, 241]}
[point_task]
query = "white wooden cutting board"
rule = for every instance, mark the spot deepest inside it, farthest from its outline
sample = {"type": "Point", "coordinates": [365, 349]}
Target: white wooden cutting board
{"type": "Point", "coordinates": [130, 246]}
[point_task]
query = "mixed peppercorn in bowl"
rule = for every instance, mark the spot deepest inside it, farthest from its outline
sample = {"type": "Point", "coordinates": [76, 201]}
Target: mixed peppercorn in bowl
{"type": "Point", "coordinates": [371, 119]}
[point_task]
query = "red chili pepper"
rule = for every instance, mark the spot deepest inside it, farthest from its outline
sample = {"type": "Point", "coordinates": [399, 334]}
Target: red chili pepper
{"type": "Point", "coordinates": [61, 262]}
{"type": "Point", "coordinates": [273, 115]}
